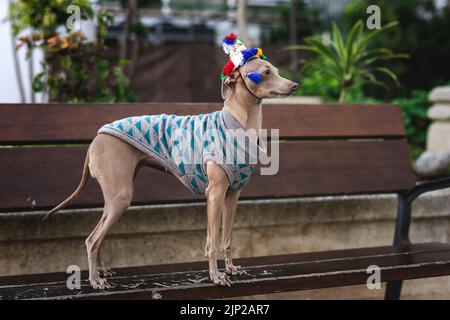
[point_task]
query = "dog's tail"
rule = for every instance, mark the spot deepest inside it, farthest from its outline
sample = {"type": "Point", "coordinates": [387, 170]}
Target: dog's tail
{"type": "Point", "coordinates": [84, 179]}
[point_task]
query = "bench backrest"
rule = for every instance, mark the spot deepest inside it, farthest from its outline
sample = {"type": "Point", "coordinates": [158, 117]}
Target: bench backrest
{"type": "Point", "coordinates": [324, 150]}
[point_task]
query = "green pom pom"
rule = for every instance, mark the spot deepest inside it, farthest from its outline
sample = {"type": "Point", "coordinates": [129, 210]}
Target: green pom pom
{"type": "Point", "coordinates": [222, 76]}
{"type": "Point", "coordinates": [263, 56]}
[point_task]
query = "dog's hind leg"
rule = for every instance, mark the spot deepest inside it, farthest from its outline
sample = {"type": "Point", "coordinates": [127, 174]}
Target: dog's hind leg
{"type": "Point", "coordinates": [114, 208]}
{"type": "Point", "coordinates": [112, 164]}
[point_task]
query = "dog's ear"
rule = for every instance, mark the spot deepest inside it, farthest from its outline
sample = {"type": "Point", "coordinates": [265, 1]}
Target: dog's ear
{"type": "Point", "coordinates": [228, 83]}
{"type": "Point", "coordinates": [233, 76]}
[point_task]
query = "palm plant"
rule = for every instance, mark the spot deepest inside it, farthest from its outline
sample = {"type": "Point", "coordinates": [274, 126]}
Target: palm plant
{"type": "Point", "coordinates": [351, 61]}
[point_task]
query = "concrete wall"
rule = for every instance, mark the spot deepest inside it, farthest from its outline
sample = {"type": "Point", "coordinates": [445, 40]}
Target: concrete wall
{"type": "Point", "coordinates": [176, 233]}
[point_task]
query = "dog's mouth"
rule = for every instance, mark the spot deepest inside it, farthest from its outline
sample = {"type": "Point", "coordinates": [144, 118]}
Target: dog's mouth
{"type": "Point", "coordinates": [281, 94]}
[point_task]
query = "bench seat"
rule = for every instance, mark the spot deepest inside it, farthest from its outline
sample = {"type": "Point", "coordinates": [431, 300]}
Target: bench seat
{"type": "Point", "coordinates": [324, 150]}
{"type": "Point", "coordinates": [269, 274]}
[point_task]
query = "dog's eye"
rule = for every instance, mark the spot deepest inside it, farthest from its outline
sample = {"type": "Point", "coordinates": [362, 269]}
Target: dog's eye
{"type": "Point", "coordinates": [267, 71]}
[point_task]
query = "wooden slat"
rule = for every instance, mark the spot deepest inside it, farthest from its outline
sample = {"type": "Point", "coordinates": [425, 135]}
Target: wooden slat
{"type": "Point", "coordinates": [36, 178]}
{"type": "Point", "coordinates": [333, 120]}
{"type": "Point", "coordinates": [348, 254]}
{"type": "Point", "coordinates": [66, 123]}
{"type": "Point", "coordinates": [42, 177]}
{"type": "Point", "coordinates": [314, 168]}
{"type": "Point", "coordinates": [267, 275]}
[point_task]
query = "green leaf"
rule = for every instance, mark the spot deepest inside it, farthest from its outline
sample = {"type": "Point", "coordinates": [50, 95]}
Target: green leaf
{"type": "Point", "coordinates": [323, 50]}
{"type": "Point", "coordinates": [38, 84]}
{"type": "Point", "coordinates": [355, 33]}
{"type": "Point", "coordinates": [338, 43]}
{"type": "Point", "coordinates": [376, 58]}
{"type": "Point", "coordinates": [365, 39]}
{"type": "Point", "coordinates": [389, 73]}
{"type": "Point", "coordinates": [123, 62]}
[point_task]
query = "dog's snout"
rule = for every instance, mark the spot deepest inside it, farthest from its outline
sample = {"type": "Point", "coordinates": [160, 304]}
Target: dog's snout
{"type": "Point", "coordinates": [294, 86]}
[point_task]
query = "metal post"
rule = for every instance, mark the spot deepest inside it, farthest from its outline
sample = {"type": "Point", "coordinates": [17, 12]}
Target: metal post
{"type": "Point", "coordinates": [401, 237]}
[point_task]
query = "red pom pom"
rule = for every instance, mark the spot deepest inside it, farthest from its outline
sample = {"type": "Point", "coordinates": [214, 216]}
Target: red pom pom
{"type": "Point", "coordinates": [228, 68]}
{"type": "Point", "coordinates": [231, 36]}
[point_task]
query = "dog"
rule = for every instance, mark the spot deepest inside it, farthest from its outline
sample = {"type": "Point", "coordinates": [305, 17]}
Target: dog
{"type": "Point", "coordinates": [114, 159]}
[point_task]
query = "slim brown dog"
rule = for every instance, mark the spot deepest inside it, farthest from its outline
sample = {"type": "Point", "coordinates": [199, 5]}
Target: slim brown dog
{"type": "Point", "coordinates": [114, 164]}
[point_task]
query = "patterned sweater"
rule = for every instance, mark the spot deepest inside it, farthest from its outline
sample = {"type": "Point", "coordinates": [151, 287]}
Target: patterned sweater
{"type": "Point", "coordinates": [184, 144]}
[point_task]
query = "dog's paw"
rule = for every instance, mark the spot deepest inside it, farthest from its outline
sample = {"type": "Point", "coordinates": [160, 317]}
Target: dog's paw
{"type": "Point", "coordinates": [236, 270]}
{"type": "Point", "coordinates": [220, 278]}
{"type": "Point", "coordinates": [105, 272]}
{"type": "Point", "coordinates": [99, 283]}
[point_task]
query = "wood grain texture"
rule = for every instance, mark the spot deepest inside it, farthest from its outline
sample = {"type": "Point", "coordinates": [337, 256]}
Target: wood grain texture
{"type": "Point", "coordinates": [68, 123]}
{"type": "Point", "coordinates": [267, 275]}
{"type": "Point", "coordinates": [35, 178]}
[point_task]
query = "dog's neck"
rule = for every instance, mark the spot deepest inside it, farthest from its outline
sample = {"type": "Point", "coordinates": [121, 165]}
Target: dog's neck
{"type": "Point", "coordinates": [245, 106]}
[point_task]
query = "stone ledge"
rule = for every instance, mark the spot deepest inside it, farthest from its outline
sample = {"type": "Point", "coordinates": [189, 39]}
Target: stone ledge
{"type": "Point", "coordinates": [191, 217]}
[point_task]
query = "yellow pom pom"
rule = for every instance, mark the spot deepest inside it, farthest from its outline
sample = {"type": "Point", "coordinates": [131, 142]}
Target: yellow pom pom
{"type": "Point", "coordinates": [259, 52]}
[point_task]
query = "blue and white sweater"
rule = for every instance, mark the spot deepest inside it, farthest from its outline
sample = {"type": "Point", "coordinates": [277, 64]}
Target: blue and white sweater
{"type": "Point", "coordinates": [184, 144]}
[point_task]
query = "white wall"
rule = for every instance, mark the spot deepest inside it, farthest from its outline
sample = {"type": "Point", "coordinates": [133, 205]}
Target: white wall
{"type": "Point", "coordinates": [9, 90]}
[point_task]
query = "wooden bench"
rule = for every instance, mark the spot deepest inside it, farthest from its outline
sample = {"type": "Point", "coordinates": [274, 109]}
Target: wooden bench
{"type": "Point", "coordinates": [324, 150]}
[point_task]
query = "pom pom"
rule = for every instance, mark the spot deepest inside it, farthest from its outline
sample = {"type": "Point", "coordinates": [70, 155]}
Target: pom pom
{"type": "Point", "coordinates": [259, 52]}
{"type": "Point", "coordinates": [248, 53]}
{"type": "Point", "coordinates": [254, 76]}
{"type": "Point", "coordinates": [228, 41]}
{"type": "Point", "coordinates": [228, 68]}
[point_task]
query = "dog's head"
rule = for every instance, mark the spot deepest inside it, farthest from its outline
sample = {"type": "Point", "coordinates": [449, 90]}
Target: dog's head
{"type": "Point", "coordinates": [249, 68]}
{"type": "Point", "coordinates": [261, 78]}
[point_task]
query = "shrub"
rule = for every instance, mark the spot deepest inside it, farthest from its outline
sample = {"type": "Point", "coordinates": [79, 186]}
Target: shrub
{"type": "Point", "coordinates": [74, 70]}
{"type": "Point", "coordinates": [414, 112]}
{"type": "Point", "coordinates": [350, 60]}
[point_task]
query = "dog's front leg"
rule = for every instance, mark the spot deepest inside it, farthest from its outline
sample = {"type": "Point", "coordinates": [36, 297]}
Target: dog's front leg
{"type": "Point", "coordinates": [215, 196]}
{"type": "Point", "coordinates": [231, 200]}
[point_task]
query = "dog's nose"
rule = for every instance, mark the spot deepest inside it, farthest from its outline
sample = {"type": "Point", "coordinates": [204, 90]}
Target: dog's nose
{"type": "Point", "coordinates": [294, 86]}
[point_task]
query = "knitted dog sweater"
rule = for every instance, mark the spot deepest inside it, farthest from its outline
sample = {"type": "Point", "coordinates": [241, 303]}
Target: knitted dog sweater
{"type": "Point", "coordinates": [184, 144]}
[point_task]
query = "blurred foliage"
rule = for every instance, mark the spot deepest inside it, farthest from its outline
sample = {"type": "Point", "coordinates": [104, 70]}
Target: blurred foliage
{"type": "Point", "coordinates": [414, 112]}
{"type": "Point", "coordinates": [350, 60]}
{"type": "Point", "coordinates": [44, 16]}
{"type": "Point", "coordinates": [139, 29]}
{"type": "Point", "coordinates": [74, 70]}
{"type": "Point", "coordinates": [307, 22]}
{"type": "Point", "coordinates": [317, 83]}
{"type": "Point", "coordinates": [423, 33]}
{"type": "Point", "coordinates": [413, 107]}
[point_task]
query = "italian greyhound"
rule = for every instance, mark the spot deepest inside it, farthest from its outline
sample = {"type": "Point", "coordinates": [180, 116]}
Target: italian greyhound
{"type": "Point", "coordinates": [114, 163]}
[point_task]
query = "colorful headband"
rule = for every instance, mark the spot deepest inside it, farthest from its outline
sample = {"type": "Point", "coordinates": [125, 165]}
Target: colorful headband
{"type": "Point", "coordinates": [239, 54]}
